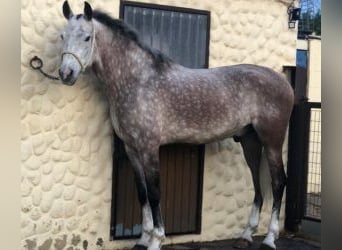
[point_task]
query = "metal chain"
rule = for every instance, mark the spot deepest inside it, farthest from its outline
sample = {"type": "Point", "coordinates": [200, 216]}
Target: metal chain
{"type": "Point", "coordinates": [36, 63]}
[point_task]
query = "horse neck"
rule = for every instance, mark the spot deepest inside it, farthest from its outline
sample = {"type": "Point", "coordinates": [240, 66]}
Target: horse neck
{"type": "Point", "coordinates": [118, 61]}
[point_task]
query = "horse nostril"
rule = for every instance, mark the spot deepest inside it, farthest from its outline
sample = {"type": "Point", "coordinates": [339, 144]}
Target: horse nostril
{"type": "Point", "coordinates": [60, 73]}
{"type": "Point", "coordinates": [70, 74]}
{"type": "Point", "coordinates": [66, 75]}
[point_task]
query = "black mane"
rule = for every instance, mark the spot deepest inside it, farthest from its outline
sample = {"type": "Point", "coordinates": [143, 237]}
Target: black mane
{"type": "Point", "coordinates": [119, 27]}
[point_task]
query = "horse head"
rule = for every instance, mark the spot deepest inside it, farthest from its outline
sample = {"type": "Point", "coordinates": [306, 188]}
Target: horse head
{"type": "Point", "coordinates": [78, 43]}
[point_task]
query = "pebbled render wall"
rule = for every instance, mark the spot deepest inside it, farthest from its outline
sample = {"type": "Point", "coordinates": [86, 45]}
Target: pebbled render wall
{"type": "Point", "coordinates": [66, 134]}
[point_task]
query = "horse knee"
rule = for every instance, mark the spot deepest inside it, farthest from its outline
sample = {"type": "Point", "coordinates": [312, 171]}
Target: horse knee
{"type": "Point", "coordinates": [141, 190]}
{"type": "Point", "coordinates": [153, 186]}
{"type": "Point", "coordinates": [283, 180]}
{"type": "Point", "coordinates": [279, 180]}
{"type": "Point", "coordinates": [154, 196]}
{"type": "Point", "coordinates": [258, 200]}
{"type": "Point", "coordinates": [278, 185]}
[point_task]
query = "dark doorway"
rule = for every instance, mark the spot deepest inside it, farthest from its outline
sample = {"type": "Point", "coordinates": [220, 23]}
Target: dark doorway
{"type": "Point", "coordinates": [303, 192]}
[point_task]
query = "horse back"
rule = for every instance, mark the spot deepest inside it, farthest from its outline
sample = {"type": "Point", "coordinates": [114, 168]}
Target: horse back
{"type": "Point", "coordinates": [203, 105]}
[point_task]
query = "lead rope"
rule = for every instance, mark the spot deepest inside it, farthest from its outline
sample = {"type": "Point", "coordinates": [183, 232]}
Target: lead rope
{"type": "Point", "coordinates": [37, 64]}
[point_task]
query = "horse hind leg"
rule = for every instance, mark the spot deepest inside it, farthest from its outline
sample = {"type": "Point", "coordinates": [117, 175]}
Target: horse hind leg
{"type": "Point", "coordinates": [252, 149]}
{"type": "Point", "coordinates": [272, 138]}
{"type": "Point", "coordinates": [278, 176]}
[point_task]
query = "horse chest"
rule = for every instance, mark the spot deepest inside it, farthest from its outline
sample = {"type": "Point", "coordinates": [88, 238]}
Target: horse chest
{"type": "Point", "coordinates": [124, 124]}
{"type": "Point", "coordinates": [116, 122]}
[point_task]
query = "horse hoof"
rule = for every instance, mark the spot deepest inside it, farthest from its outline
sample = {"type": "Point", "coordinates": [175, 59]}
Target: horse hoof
{"type": "Point", "coordinates": [139, 247]}
{"type": "Point", "coordinates": [265, 247]}
{"type": "Point", "coordinates": [242, 243]}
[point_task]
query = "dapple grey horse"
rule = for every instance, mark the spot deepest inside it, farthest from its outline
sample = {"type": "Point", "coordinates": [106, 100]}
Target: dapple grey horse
{"type": "Point", "coordinates": [154, 101]}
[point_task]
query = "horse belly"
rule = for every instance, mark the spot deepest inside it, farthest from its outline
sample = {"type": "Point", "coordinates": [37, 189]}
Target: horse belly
{"type": "Point", "coordinates": [209, 136]}
{"type": "Point", "coordinates": [205, 133]}
{"type": "Point", "coordinates": [209, 120]}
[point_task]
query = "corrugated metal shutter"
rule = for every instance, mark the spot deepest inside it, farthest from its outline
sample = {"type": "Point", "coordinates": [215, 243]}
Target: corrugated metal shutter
{"type": "Point", "coordinates": [181, 169]}
{"type": "Point", "coordinates": [183, 36]}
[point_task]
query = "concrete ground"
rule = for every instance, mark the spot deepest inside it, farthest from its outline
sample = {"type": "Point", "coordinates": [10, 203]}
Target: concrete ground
{"type": "Point", "coordinates": [283, 243]}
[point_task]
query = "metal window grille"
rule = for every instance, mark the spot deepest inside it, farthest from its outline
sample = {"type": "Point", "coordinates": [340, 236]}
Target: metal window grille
{"type": "Point", "coordinates": [313, 192]}
{"type": "Point", "coordinates": [180, 34]}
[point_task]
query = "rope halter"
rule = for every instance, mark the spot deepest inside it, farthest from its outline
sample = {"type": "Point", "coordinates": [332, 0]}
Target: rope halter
{"type": "Point", "coordinates": [83, 66]}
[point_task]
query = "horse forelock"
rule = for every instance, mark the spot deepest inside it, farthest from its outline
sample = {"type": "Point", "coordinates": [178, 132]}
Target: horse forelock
{"type": "Point", "coordinates": [117, 26]}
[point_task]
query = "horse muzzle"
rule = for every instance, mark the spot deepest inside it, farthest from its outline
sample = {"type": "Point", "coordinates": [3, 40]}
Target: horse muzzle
{"type": "Point", "coordinates": [67, 76]}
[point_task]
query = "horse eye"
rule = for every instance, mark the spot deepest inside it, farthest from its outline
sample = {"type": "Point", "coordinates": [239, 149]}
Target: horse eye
{"type": "Point", "coordinates": [87, 38]}
{"type": "Point", "coordinates": [62, 37]}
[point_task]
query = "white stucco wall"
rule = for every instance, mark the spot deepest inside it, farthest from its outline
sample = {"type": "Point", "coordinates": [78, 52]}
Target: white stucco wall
{"type": "Point", "coordinates": [67, 137]}
{"type": "Point", "coordinates": [314, 70]}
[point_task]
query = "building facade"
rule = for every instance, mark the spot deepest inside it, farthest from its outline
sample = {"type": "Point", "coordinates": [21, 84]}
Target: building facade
{"type": "Point", "coordinates": [67, 139]}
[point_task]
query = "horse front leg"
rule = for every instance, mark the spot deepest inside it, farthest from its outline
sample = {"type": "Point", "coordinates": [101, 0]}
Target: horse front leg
{"type": "Point", "coordinates": [152, 175]}
{"type": "Point", "coordinates": [147, 219]}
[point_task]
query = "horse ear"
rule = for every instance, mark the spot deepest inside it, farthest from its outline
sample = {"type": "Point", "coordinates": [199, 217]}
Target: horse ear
{"type": "Point", "coordinates": [88, 12]}
{"type": "Point", "coordinates": [67, 12]}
